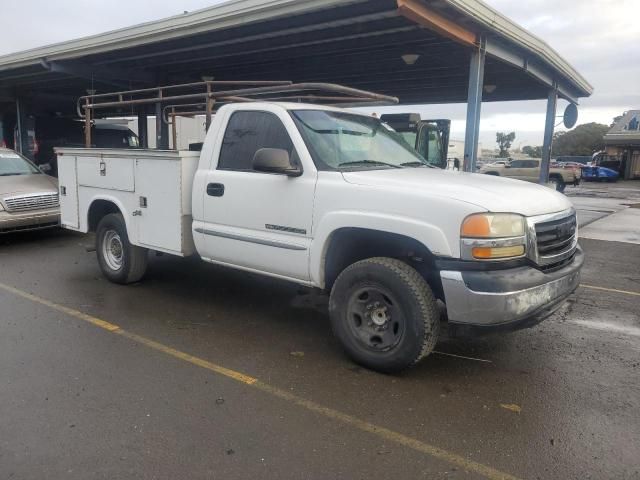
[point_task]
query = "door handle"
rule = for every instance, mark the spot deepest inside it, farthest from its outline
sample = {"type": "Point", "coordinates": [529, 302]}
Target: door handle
{"type": "Point", "coordinates": [215, 189]}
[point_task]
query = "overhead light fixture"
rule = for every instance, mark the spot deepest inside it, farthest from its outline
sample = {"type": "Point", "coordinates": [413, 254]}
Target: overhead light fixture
{"type": "Point", "coordinates": [490, 88]}
{"type": "Point", "coordinates": [410, 58]}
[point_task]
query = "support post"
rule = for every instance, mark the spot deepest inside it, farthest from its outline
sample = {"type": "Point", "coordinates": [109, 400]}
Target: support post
{"type": "Point", "coordinates": [552, 101]}
{"type": "Point", "coordinates": [19, 124]}
{"type": "Point", "coordinates": [162, 130]}
{"type": "Point", "coordinates": [143, 130]}
{"type": "Point", "coordinates": [87, 124]}
{"type": "Point", "coordinates": [174, 128]}
{"type": "Point", "coordinates": [474, 107]}
{"type": "Point", "coordinates": [209, 108]}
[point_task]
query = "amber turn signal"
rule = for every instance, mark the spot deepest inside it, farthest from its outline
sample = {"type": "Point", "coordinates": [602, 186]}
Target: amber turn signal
{"type": "Point", "coordinates": [487, 253]}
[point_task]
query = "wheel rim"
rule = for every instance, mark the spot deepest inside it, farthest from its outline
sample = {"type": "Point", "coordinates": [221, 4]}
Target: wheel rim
{"type": "Point", "coordinates": [112, 250]}
{"type": "Point", "coordinates": [375, 319]}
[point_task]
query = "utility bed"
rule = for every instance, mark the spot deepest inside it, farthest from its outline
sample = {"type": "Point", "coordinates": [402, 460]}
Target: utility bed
{"type": "Point", "coordinates": [155, 185]}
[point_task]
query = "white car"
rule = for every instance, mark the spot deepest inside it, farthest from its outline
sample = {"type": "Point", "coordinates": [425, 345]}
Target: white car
{"type": "Point", "coordinates": [333, 200]}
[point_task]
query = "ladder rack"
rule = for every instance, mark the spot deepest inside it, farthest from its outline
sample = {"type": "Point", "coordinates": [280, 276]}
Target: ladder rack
{"type": "Point", "coordinates": [168, 100]}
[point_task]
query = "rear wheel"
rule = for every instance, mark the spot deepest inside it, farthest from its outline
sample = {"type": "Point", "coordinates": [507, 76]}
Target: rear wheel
{"type": "Point", "coordinates": [119, 261]}
{"type": "Point", "coordinates": [558, 183]}
{"type": "Point", "coordinates": [384, 314]}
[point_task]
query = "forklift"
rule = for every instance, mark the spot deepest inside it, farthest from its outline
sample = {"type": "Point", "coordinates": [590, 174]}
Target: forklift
{"type": "Point", "coordinates": [430, 138]}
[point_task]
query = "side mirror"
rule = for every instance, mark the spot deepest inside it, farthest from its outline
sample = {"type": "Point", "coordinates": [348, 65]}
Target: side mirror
{"type": "Point", "coordinates": [275, 160]}
{"type": "Point", "coordinates": [45, 167]}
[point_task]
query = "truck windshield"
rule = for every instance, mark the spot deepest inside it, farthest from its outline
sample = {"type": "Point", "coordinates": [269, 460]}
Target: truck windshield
{"type": "Point", "coordinates": [345, 141]}
{"type": "Point", "coordinates": [13, 164]}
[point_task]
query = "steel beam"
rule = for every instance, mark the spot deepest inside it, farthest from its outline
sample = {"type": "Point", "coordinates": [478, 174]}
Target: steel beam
{"type": "Point", "coordinates": [543, 74]}
{"type": "Point", "coordinates": [113, 76]}
{"type": "Point", "coordinates": [417, 12]}
{"type": "Point", "coordinates": [474, 107]}
{"type": "Point", "coordinates": [552, 101]}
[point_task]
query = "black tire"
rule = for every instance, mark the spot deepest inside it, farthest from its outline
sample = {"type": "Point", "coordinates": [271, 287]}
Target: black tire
{"type": "Point", "coordinates": [411, 316]}
{"type": "Point", "coordinates": [123, 263]}
{"type": "Point", "coordinates": [495, 174]}
{"type": "Point", "coordinates": [560, 185]}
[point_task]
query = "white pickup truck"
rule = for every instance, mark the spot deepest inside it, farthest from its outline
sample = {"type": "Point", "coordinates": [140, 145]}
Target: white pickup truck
{"type": "Point", "coordinates": [331, 199]}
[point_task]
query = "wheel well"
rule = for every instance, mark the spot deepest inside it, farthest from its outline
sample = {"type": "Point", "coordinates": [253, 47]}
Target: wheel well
{"type": "Point", "coordinates": [98, 210]}
{"type": "Point", "coordinates": [350, 245]}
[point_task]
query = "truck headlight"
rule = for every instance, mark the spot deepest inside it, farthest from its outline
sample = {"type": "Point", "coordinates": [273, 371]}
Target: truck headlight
{"type": "Point", "coordinates": [493, 236]}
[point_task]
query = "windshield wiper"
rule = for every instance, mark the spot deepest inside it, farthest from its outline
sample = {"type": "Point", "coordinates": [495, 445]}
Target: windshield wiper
{"type": "Point", "coordinates": [367, 162]}
{"type": "Point", "coordinates": [419, 164]}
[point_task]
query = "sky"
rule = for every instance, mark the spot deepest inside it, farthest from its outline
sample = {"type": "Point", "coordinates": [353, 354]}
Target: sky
{"type": "Point", "coordinates": [600, 38]}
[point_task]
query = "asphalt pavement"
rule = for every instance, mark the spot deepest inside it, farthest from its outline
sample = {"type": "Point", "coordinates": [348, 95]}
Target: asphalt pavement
{"type": "Point", "coordinates": [203, 372]}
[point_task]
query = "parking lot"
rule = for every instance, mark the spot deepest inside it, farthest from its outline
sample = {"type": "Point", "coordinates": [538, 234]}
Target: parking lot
{"type": "Point", "coordinates": [204, 372]}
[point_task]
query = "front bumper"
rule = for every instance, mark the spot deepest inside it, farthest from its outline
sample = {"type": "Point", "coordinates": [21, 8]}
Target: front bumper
{"type": "Point", "coordinates": [486, 301]}
{"type": "Point", "coordinates": [29, 220]}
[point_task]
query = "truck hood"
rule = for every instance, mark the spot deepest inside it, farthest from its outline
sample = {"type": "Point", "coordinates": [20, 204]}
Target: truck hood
{"type": "Point", "coordinates": [491, 193]}
{"type": "Point", "coordinates": [17, 184]}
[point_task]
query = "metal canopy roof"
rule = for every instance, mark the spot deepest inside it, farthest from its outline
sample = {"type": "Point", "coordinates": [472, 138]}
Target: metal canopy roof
{"type": "Point", "coordinates": [358, 43]}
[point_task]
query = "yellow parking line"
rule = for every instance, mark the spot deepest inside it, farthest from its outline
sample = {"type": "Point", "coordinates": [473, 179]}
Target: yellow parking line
{"type": "Point", "coordinates": [61, 308]}
{"type": "Point", "coordinates": [384, 433]}
{"type": "Point", "coordinates": [613, 290]}
{"type": "Point", "coordinates": [240, 377]}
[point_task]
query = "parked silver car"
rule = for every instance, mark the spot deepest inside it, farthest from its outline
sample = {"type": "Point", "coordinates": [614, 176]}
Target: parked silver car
{"type": "Point", "coordinates": [28, 198]}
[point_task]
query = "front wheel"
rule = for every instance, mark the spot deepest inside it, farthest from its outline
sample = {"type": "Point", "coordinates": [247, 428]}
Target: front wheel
{"type": "Point", "coordinates": [384, 314]}
{"type": "Point", "coordinates": [120, 261]}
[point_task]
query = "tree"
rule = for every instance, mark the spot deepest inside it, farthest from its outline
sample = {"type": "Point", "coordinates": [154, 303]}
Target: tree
{"type": "Point", "coordinates": [504, 141]}
{"type": "Point", "coordinates": [583, 140]}
{"type": "Point", "coordinates": [533, 152]}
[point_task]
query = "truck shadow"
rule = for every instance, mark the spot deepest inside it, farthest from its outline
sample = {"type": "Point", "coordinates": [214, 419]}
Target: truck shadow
{"type": "Point", "coordinates": [275, 307]}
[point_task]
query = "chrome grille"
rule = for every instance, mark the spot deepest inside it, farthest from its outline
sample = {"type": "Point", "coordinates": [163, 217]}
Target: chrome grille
{"type": "Point", "coordinates": [34, 201]}
{"type": "Point", "coordinates": [556, 238]}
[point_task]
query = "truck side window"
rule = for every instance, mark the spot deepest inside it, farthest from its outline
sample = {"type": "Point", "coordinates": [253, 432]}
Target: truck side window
{"type": "Point", "coordinates": [248, 132]}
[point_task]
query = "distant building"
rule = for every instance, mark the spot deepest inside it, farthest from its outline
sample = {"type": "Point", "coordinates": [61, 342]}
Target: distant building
{"type": "Point", "coordinates": [622, 144]}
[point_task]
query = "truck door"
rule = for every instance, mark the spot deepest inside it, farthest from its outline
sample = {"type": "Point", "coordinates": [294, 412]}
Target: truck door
{"type": "Point", "coordinates": [430, 138]}
{"type": "Point", "coordinates": [516, 169]}
{"type": "Point", "coordinates": [433, 141]}
{"type": "Point", "coordinates": [259, 221]}
{"type": "Point", "coordinates": [530, 170]}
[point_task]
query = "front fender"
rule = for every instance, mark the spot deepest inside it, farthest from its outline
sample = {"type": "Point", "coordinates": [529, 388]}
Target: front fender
{"type": "Point", "coordinates": [429, 235]}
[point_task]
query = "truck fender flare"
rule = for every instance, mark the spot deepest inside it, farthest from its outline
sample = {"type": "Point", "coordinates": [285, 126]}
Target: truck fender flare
{"type": "Point", "coordinates": [432, 237]}
{"type": "Point", "coordinates": [116, 202]}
